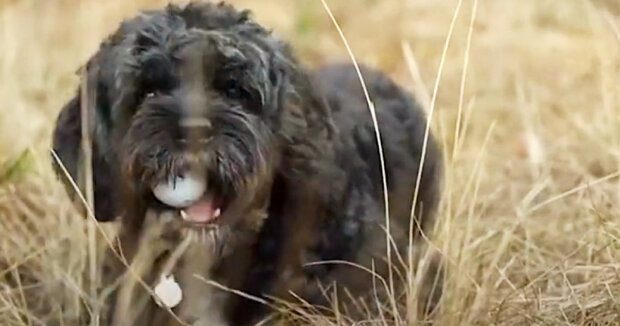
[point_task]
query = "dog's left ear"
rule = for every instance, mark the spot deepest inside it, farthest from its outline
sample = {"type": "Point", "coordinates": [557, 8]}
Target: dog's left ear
{"type": "Point", "coordinates": [67, 145]}
{"type": "Point", "coordinates": [308, 129]}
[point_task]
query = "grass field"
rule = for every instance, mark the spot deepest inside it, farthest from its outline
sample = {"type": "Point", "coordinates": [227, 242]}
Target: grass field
{"type": "Point", "coordinates": [525, 100]}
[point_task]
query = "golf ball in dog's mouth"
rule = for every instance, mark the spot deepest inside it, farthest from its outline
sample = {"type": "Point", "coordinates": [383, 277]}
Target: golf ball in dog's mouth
{"type": "Point", "coordinates": [180, 191]}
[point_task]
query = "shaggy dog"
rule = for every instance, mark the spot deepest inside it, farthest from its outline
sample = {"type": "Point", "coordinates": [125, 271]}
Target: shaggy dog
{"type": "Point", "coordinates": [289, 158]}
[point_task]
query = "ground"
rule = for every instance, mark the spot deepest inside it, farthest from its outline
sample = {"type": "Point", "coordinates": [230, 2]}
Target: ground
{"type": "Point", "coordinates": [525, 102]}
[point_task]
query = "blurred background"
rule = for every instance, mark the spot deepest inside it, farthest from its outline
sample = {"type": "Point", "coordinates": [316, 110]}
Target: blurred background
{"type": "Point", "coordinates": [527, 110]}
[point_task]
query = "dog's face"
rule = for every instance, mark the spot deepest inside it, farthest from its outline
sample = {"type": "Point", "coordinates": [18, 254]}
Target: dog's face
{"type": "Point", "coordinates": [206, 108]}
{"type": "Point", "coordinates": [204, 113]}
{"type": "Point", "coordinates": [176, 103]}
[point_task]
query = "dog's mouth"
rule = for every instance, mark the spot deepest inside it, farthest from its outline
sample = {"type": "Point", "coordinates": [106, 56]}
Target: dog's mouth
{"type": "Point", "coordinates": [188, 195]}
{"type": "Point", "coordinates": [204, 212]}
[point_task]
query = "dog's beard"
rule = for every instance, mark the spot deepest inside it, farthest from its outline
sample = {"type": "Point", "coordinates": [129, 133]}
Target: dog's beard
{"type": "Point", "coordinates": [212, 238]}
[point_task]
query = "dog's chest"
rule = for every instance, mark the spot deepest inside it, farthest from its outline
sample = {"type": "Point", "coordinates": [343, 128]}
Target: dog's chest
{"type": "Point", "coordinates": [184, 258]}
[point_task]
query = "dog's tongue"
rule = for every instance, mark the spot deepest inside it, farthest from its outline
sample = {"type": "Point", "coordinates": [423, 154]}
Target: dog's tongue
{"type": "Point", "coordinates": [202, 211]}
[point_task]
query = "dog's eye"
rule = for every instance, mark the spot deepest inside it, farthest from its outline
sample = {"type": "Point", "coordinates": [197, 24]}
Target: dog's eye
{"type": "Point", "coordinates": [232, 89]}
{"type": "Point", "coordinates": [150, 94]}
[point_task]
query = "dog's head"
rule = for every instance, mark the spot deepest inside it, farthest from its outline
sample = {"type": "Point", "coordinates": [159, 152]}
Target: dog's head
{"type": "Point", "coordinates": [199, 94]}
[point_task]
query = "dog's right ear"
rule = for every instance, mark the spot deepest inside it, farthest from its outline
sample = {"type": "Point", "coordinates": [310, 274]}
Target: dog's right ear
{"type": "Point", "coordinates": [67, 144]}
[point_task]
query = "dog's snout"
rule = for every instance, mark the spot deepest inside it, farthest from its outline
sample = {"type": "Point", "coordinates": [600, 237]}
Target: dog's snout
{"type": "Point", "coordinates": [195, 123]}
{"type": "Point", "coordinates": [196, 129]}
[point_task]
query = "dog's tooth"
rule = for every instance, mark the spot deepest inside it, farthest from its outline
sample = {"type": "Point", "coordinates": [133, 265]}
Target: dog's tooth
{"type": "Point", "coordinates": [217, 212]}
{"type": "Point", "coordinates": [183, 215]}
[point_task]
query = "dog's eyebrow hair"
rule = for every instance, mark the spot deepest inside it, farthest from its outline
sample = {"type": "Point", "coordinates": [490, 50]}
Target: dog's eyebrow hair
{"type": "Point", "coordinates": [194, 122]}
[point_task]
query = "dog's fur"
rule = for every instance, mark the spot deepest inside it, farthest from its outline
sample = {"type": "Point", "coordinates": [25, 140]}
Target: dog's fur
{"type": "Point", "coordinates": [292, 152]}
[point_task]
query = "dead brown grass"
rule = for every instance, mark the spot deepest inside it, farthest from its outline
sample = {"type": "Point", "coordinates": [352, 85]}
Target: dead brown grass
{"type": "Point", "coordinates": [531, 134]}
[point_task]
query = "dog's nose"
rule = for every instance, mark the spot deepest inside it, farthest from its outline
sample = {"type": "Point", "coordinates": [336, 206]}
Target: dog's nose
{"type": "Point", "coordinates": [195, 123]}
{"type": "Point", "coordinates": [196, 129]}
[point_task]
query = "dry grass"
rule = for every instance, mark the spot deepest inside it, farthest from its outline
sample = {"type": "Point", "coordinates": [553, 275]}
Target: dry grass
{"type": "Point", "coordinates": [531, 134]}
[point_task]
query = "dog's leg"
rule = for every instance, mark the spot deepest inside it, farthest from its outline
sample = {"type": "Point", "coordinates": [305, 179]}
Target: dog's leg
{"type": "Point", "coordinates": [129, 303]}
{"type": "Point", "coordinates": [203, 304]}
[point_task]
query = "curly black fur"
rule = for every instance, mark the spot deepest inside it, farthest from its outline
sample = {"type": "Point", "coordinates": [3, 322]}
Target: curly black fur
{"type": "Point", "coordinates": [298, 146]}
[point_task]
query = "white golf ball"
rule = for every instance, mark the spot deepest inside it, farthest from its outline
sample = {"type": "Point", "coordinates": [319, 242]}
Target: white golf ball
{"type": "Point", "coordinates": [180, 191]}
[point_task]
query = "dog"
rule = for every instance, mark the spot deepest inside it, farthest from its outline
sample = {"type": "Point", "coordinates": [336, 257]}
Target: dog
{"type": "Point", "coordinates": [288, 156]}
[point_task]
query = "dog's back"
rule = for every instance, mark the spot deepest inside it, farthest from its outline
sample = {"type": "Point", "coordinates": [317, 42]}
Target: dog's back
{"type": "Point", "coordinates": [360, 235]}
{"type": "Point", "coordinates": [402, 127]}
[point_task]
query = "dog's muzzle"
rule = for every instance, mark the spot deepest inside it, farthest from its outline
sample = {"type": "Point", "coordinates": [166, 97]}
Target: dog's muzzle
{"type": "Point", "coordinates": [188, 193]}
{"type": "Point", "coordinates": [190, 196]}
